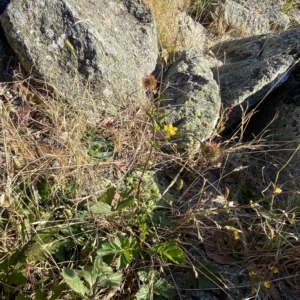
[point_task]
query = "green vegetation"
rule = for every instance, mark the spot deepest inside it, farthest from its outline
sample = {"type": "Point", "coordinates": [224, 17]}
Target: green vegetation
{"type": "Point", "coordinates": [103, 212]}
{"type": "Point", "coordinates": [288, 5]}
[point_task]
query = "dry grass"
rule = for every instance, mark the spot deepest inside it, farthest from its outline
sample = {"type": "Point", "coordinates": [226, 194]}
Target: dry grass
{"type": "Point", "coordinates": [165, 12]}
{"type": "Point", "coordinates": [220, 209]}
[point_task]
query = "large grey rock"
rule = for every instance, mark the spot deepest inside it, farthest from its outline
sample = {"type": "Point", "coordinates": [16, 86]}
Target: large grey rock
{"type": "Point", "coordinates": [249, 17]}
{"type": "Point", "coordinates": [231, 15]}
{"type": "Point", "coordinates": [284, 136]}
{"type": "Point", "coordinates": [192, 101]}
{"type": "Point", "coordinates": [254, 66]}
{"type": "Point", "coordinates": [191, 34]}
{"type": "Point", "coordinates": [269, 10]}
{"type": "Point", "coordinates": [93, 52]}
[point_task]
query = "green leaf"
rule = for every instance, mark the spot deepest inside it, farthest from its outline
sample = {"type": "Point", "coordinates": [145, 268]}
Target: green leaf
{"type": "Point", "coordinates": [149, 114]}
{"type": "Point", "coordinates": [101, 208]}
{"type": "Point", "coordinates": [39, 295]}
{"type": "Point", "coordinates": [169, 251]}
{"type": "Point", "coordinates": [88, 276]}
{"type": "Point", "coordinates": [160, 219]}
{"type": "Point", "coordinates": [99, 265]}
{"type": "Point", "coordinates": [113, 280]}
{"type": "Point", "coordinates": [127, 202]}
{"type": "Point", "coordinates": [73, 281]}
{"type": "Point", "coordinates": [124, 260]}
{"type": "Point", "coordinates": [108, 196]}
{"type": "Point", "coordinates": [153, 284]}
{"type": "Point", "coordinates": [125, 247]}
{"type": "Point", "coordinates": [143, 293]}
{"type": "Point", "coordinates": [12, 260]}
{"type": "Point", "coordinates": [41, 245]}
{"type": "Point", "coordinates": [57, 290]}
{"type": "Point", "coordinates": [100, 149]}
{"type": "Point", "coordinates": [16, 277]}
{"type": "Point", "coordinates": [162, 288]}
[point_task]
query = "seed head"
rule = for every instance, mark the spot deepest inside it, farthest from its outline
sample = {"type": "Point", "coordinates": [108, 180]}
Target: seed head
{"type": "Point", "coordinates": [149, 82]}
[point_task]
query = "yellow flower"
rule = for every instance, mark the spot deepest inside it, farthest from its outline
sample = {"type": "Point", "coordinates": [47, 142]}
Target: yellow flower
{"type": "Point", "coordinates": [170, 130]}
{"type": "Point", "coordinates": [274, 269]}
{"type": "Point", "coordinates": [267, 284]}
{"type": "Point", "coordinates": [236, 235]}
{"type": "Point", "coordinates": [277, 190]}
{"type": "Point", "coordinates": [252, 273]}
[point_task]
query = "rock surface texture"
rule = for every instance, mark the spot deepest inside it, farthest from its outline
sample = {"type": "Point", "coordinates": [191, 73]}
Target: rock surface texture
{"type": "Point", "coordinates": [191, 35]}
{"type": "Point", "coordinates": [254, 66]}
{"type": "Point", "coordinates": [250, 17]}
{"type": "Point", "coordinates": [284, 131]}
{"type": "Point", "coordinates": [93, 51]}
{"type": "Point", "coordinates": [191, 101]}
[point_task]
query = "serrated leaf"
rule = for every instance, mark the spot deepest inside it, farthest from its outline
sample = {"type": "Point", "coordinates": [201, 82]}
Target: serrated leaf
{"type": "Point", "coordinates": [147, 276]}
{"type": "Point", "coordinates": [163, 288]}
{"type": "Point", "coordinates": [113, 280]}
{"type": "Point", "coordinates": [169, 251]}
{"type": "Point", "coordinates": [73, 281]}
{"type": "Point", "coordinates": [153, 284]}
{"type": "Point", "coordinates": [125, 247]}
{"type": "Point", "coordinates": [86, 273]}
{"type": "Point", "coordinates": [143, 293]}
{"type": "Point", "coordinates": [99, 266]}
{"type": "Point", "coordinates": [124, 260]}
{"type": "Point", "coordinates": [108, 249]}
{"type": "Point", "coordinates": [101, 208]}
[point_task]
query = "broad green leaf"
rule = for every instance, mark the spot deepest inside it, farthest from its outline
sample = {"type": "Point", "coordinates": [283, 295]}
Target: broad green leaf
{"type": "Point", "coordinates": [113, 280]}
{"type": "Point", "coordinates": [86, 273]}
{"type": "Point", "coordinates": [39, 295]}
{"type": "Point", "coordinates": [125, 247]}
{"type": "Point", "coordinates": [17, 277]}
{"type": "Point", "coordinates": [154, 285]}
{"type": "Point", "coordinates": [124, 260]}
{"type": "Point", "coordinates": [143, 293]}
{"type": "Point", "coordinates": [127, 202]}
{"type": "Point", "coordinates": [160, 219]}
{"type": "Point", "coordinates": [99, 265]}
{"type": "Point", "coordinates": [12, 260]}
{"type": "Point", "coordinates": [147, 276]}
{"type": "Point", "coordinates": [109, 249]}
{"type": "Point", "coordinates": [57, 290]}
{"type": "Point", "coordinates": [101, 208]}
{"type": "Point", "coordinates": [169, 251]}
{"type": "Point", "coordinates": [108, 196]}
{"type": "Point", "coordinates": [163, 288]}
{"type": "Point", "coordinates": [73, 281]}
